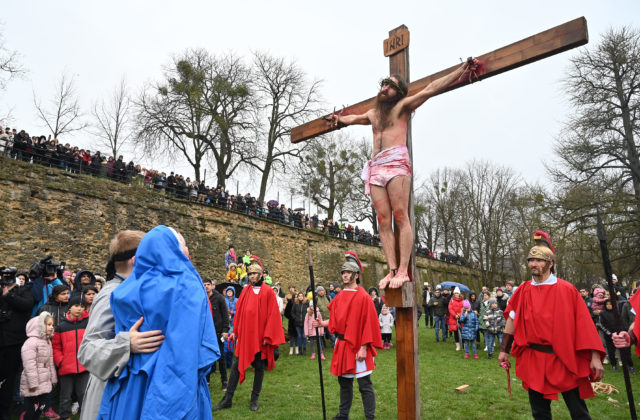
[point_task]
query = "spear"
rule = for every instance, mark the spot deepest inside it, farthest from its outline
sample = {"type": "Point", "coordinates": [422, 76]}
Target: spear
{"type": "Point", "coordinates": [315, 316]}
{"type": "Point", "coordinates": [606, 261]}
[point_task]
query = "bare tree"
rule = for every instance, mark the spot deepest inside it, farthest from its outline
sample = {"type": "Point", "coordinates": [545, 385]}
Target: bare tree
{"type": "Point", "coordinates": [10, 66]}
{"type": "Point", "coordinates": [284, 99]}
{"type": "Point", "coordinates": [196, 111]}
{"type": "Point", "coordinates": [63, 115]}
{"type": "Point", "coordinates": [113, 119]}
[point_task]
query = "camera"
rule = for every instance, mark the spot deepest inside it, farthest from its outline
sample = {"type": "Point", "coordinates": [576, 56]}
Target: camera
{"type": "Point", "coordinates": [8, 275]}
{"type": "Point", "coordinates": [44, 268]}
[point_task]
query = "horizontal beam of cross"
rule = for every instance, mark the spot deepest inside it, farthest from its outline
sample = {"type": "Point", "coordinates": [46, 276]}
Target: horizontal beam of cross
{"type": "Point", "coordinates": [550, 42]}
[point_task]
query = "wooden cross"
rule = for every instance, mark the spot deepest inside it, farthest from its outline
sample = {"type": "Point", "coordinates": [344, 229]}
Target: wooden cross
{"type": "Point", "coordinates": [545, 44]}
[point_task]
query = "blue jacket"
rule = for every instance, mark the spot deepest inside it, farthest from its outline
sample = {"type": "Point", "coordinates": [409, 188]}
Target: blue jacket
{"type": "Point", "coordinates": [470, 325]}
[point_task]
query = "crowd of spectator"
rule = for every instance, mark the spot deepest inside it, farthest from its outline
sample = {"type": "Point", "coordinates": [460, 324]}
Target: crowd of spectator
{"type": "Point", "coordinates": [50, 152]}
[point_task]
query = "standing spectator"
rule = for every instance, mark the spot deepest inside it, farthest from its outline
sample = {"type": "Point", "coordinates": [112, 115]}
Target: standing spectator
{"type": "Point", "coordinates": [39, 373]}
{"type": "Point", "coordinates": [88, 294]}
{"type": "Point", "coordinates": [322, 302]}
{"type": "Point", "coordinates": [288, 313]}
{"type": "Point", "coordinates": [231, 301]}
{"type": "Point", "coordinates": [58, 304]}
{"type": "Point", "coordinates": [310, 333]}
{"type": "Point", "coordinates": [608, 326]}
{"type": "Point", "coordinates": [502, 299]}
{"type": "Point", "coordinates": [484, 305]}
{"type": "Point", "coordinates": [386, 326]}
{"type": "Point", "coordinates": [620, 291]}
{"type": "Point", "coordinates": [493, 322]}
{"type": "Point", "coordinates": [455, 310]}
{"type": "Point", "coordinates": [83, 278]}
{"type": "Point", "coordinates": [509, 289]}
{"type": "Point", "coordinates": [469, 322]}
{"type": "Point", "coordinates": [43, 275]}
{"type": "Point", "coordinates": [428, 310]}
{"type": "Point", "coordinates": [439, 305]}
{"type": "Point", "coordinates": [120, 169]}
{"type": "Point", "coordinates": [298, 312]}
{"type": "Point", "coordinates": [258, 329]}
{"type": "Point", "coordinates": [220, 316]}
{"type": "Point", "coordinates": [171, 185]}
{"type": "Point", "coordinates": [16, 304]}
{"type": "Point", "coordinates": [232, 273]}
{"type": "Point", "coordinates": [66, 341]}
{"type": "Point", "coordinates": [377, 301]}
{"type": "Point", "coordinates": [230, 257]}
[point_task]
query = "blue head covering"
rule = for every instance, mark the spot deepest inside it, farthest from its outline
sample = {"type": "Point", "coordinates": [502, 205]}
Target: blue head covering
{"type": "Point", "coordinates": [167, 291]}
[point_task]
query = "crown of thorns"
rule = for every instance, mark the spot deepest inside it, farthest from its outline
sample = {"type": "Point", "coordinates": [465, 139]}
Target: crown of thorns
{"type": "Point", "coordinates": [389, 81]}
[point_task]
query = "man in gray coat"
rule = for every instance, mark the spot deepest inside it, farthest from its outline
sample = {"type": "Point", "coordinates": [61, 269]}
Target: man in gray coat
{"type": "Point", "coordinates": [103, 353]}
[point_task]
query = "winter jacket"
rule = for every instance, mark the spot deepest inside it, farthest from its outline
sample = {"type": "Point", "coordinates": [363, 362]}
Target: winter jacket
{"type": "Point", "coordinates": [484, 307]}
{"type": "Point", "coordinates": [77, 286]}
{"type": "Point", "coordinates": [219, 312]}
{"type": "Point", "coordinates": [322, 303]}
{"type": "Point", "coordinates": [386, 323]}
{"type": "Point", "coordinates": [40, 290]}
{"type": "Point", "coordinates": [455, 308]}
{"type": "Point", "coordinates": [15, 312]}
{"type": "Point", "coordinates": [66, 341]}
{"type": "Point", "coordinates": [309, 331]}
{"type": "Point", "coordinates": [39, 372]}
{"type": "Point", "coordinates": [475, 304]}
{"type": "Point", "coordinates": [298, 312]}
{"type": "Point", "coordinates": [58, 310]}
{"type": "Point", "coordinates": [441, 307]}
{"type": "Point", "coordinates": [494, 321]}
{"type": "Point", "coordinates": [502, 302]}
{"type": "Point", "coordinates": [231, 301]}
{"type": "Point", "coordinates": [470, 325]}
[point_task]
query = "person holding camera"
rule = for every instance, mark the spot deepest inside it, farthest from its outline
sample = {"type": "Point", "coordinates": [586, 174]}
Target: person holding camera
{"type": "Point", "coordinates": [45, 277]}
{"type": "Point", "coordinates": [16, 303]}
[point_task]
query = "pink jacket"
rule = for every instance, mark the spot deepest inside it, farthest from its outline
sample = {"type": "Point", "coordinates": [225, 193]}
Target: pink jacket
{"type": "Point", "coordinates": [309, 331]}
{"type": "Point", "coordinates": [37, 358]}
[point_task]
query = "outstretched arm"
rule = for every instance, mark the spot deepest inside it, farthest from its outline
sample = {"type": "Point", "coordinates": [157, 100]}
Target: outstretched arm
{"type": "Point", "coordinates": [411, 103]}
{"type": "Point", "coordinates": [337, 119]}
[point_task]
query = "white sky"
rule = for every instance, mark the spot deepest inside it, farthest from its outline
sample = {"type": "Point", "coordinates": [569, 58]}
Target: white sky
{"type": "Point", "coordinates": [510, 119]}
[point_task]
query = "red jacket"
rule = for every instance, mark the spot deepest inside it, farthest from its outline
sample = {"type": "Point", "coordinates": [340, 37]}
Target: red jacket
{"type": "Point", "coordinates": [455, 308]}
{"type": "Point", "coordinates": [66, 341]}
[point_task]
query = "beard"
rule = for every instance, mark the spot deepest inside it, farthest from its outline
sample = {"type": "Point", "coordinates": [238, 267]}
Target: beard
{"type": "Point", "coordinates": [384, 105]}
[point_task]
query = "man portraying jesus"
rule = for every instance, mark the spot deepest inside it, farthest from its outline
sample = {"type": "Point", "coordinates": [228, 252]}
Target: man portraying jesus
{"type": "Point", "coordinates": [387, 176]}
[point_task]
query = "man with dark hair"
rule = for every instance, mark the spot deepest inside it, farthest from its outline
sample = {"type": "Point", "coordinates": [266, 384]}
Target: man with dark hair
{"type": "Point", "coordinates": [556, 346]}
{"type": "Point", "coordinates": [220, 315]}
{"type": "Point", "coordinates": [387, 176]}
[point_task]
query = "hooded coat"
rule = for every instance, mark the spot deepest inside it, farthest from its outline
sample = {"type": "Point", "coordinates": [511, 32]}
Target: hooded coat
{"type": "Point", "coordinates": [39, 373]}
{"type": "Point", "coordinates": [231, 301]}
{"type": "Point", "coordinates": [455, 308]}
{"type": "Point", "coordinates": [77, 286]}
{"type": "Point", "coordinates": [169, 383]}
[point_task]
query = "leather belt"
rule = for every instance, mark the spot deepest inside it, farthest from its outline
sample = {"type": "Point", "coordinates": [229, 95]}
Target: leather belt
{"type": "Point", "coordinates": [543, 348]}
{"type": "Point", "coordinates": [340, 336]}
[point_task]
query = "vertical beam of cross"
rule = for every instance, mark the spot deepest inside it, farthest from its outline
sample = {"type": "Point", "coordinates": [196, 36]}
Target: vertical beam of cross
{"type": "Point", "coordinates": [404, 299]}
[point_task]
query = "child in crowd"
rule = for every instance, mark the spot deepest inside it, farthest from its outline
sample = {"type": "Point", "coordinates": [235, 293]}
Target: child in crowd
{"type": "Point", "coordinates": [386, 326]}
{"type": "Point", "coordinates": [231, 300]}
{"type": "Point", "coordinates": [58, 303]}
{"type": "Point", "coordinates": [39, 373]}
{"type": "Point", "coordinates": [310, 333]}
{"type": "Point", "coordinates": [470, 325]}
{"type": "Point", "coordinates": [494, 325]}
{"type": "Point", "coordinates": [89, 293]}
{"type": "Point", "coordinates": [232, 274]}
{"type": "Point", "coordinates": [66, 341]}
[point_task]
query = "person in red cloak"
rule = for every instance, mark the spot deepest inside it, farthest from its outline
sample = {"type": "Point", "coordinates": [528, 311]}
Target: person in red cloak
{"type": "Point", "coordinates": [257, 329]}
{"type": "Point", "coordinates": [556, 346]}
{"type": "Point", "coordinates": [354, 321]}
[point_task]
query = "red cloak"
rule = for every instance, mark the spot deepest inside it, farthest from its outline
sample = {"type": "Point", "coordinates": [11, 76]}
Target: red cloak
{"type": "Point", "coordinates": [553, 315]}
{"type": "Point", "coordinates": [353, 315]}
{"type": "Point", "coordinates": [257, 321]}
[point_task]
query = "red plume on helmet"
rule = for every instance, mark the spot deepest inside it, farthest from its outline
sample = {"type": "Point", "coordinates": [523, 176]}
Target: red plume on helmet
{"type": "Point", "coordinates": [255, 258]}
{"type": "Point", "coordinates": [352, 256]}
{"type": "Point", "coordinates": [542, 238]}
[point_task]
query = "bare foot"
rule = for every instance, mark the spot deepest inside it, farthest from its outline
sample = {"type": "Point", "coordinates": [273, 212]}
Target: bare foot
{"type": "Point", "coordinates": [399, 280]}
{"type": "Point", "coordinates": [385, 281]}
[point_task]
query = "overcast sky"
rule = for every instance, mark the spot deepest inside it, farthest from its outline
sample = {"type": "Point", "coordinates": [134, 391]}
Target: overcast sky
{"type": "Point", "coordinates": [511, 119]}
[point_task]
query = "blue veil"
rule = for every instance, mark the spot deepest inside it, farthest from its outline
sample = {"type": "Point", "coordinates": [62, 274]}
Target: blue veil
{"type": "Point", "coordinates": [169, 383]}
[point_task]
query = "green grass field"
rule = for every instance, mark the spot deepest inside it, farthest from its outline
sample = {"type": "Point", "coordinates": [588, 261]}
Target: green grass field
{"type": "Point", "coordinates": [292, 389]}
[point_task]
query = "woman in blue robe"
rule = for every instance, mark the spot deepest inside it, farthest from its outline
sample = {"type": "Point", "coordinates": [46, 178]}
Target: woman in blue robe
{"type": "Point", "coordinates": [167, 291]}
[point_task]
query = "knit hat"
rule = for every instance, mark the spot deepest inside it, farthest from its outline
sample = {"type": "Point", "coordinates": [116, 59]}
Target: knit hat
{"type": "Point", "coordinates": [491, 301]}
{"type": "Point", "coordinates": [438, 287]}
{"type": "Point", "coordinates": [76, 300]}
{"type": "Point", "coordinates": [319, 288]}
{"type": "Point", "coordinates": [456, 290]}
{"type": "Point", "coordinates": [598, 290]}
{"type": "Point", "coordinates": [466, 304]}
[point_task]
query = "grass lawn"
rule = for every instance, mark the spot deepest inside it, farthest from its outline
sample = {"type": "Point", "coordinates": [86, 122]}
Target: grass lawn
{"type": "Point", "coordinates": [292, 390]}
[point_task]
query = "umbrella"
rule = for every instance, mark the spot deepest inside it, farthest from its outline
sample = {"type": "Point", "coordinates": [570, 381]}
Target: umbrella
{"type": "Point", "coordinates": [450, 284]}
{"type": "Point", "coordinates": [223, 286]}
{"type": "Point", "coordinates": [272, 202]}
{"type": "Point", "coordinates": [299, 209]}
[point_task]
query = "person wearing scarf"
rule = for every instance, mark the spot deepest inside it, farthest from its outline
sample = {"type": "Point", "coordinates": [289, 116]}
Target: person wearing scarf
{"type": "Point", "coordinates": [167, 291]}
